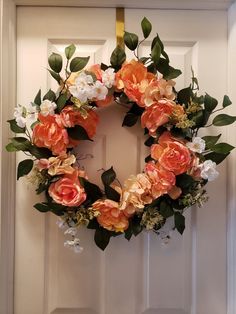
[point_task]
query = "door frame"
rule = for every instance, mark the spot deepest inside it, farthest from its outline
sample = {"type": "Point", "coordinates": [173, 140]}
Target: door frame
{"type": "Point", "coordinates": [7, 170]}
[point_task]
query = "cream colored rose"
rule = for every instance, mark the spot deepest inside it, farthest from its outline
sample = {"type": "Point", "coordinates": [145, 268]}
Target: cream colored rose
{"type": "Point", "coordinates": [136, 193]}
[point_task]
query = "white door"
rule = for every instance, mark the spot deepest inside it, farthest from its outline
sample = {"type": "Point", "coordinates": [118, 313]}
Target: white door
{"type": "Point", "coordinates": [187, 276]}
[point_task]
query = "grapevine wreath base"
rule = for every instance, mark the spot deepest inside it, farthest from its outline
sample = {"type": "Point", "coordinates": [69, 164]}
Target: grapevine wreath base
{"type": "Point", "coordinates": [178, 167]}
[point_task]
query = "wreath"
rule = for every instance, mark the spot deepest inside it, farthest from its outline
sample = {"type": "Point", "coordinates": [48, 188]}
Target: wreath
{"type": "Point", "coordinates": [176, 171]}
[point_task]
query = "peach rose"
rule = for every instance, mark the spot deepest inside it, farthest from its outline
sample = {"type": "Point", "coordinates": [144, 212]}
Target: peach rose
{"type": "Point", "coordinates": [134, 78]}
{"type": "Point", "coordinates": [136, 193]}
{"type": "Point", "coordinates": [106, 102]}
{"type": "Point", "coordinates": [158, 90]}
{"type": "Point", "coordinates": [96, 69]}
{"type": "Point", "coordinates": [162, 180]}
{"type": "Point", "coordinates": [68, 190]}
{"type": "Point", "coordinates": [110, 217]}
{"type": "Point", "coordinates": [57, 165]}
{"type": "Point", "coordinates": [172, 154]}
{"type": "Point", "coordinates": [156, 115]}
{"type": "Point", "coordinates": [69, 117]}
{"type": "Point", "coordinates": [48, 133]}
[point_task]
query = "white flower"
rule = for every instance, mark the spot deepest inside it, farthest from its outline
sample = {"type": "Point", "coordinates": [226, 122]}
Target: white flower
{"type": "Point", "coordinates": [100, 91]}
{"type": "Point", "coordinates": [21, 121]}
{"type": "Point", "coordinates": [108, 77]}
{"type": "Point", "coordinates": [20, 116]}
{"type": "Point", "coordinates": [32, 113]}
{"type": "Point", "coordinates": [61, 223]}
{"type": "Point", "coordinates": [25, 114]}
{"type": "Point", "coordinates": [71, 231]}
{"type": "Point", "coordinates": [208, 170]}
{"type": "Point", "coordinates": [47, 107]}
{"type": "Point", "coordinates": [83, 79]}
{"type": "Point", "coordinates": [74, 244]}
{"type": "Point", "coordinates": [82, 87]}
{"type": "Point", "coordinates": [197, 145]}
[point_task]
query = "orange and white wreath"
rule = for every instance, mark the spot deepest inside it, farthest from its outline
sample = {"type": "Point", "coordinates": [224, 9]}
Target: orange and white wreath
{"type": "Point", "coordinates": [178, 167]}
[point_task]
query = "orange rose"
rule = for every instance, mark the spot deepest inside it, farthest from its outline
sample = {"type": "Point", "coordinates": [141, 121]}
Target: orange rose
{"type": "Point", "coordinates": [172, 155]}
{"type": "Point", "coordinates": [134, 78]}
{"type": "Point", "coordinates": [156, 115]}
{"type": "Point", "coordinates": [110, 216]}
{"type": "Point", "coordinates": [162, 180]}
{"type": "Point", "coordinates": [48, 133]}
{"type": "Point", "coordinates": [67, 190]}
{"type": "Point", "coordinates": [69, 117]}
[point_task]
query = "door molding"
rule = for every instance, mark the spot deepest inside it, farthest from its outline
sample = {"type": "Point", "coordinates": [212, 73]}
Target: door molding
{"type": "Point", "coordinates": [7, 171]}
{"type": "Point", "coordinates": [231, 240]}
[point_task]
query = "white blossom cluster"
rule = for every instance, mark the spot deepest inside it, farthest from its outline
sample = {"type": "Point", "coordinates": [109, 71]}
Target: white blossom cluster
{"type": "Point", "coordinates": [208, 167]}
{"type": "Point", "coordinates": [85, 89]}
{"type": "Point", "coordinates": [24, 114]}
{"type": "Point", "coordinates": [74, 243]}
{"type": "Point", "coordinates": [29, 114]}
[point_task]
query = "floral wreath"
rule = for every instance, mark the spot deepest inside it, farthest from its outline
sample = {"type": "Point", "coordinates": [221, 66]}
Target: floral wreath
{"type": "Point", "coordinates": [178, 167]}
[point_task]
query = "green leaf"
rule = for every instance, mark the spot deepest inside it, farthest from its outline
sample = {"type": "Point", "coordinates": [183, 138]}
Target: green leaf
{"type": "Point", "coordinates": [216, 157]}
{"type": "Point", "coordinates": [185, 182]}
{"type": "Point", "coordinates": [104, 67]}
{"type": "Point", "coordinates": [210, 103]}
{"type": "Point", "coordinates": [152, 68]}
{"type": "Point", "coordinates": [69, 51]}
{"type": "Point", "coordinates": [136, 226]}
{"type": "Point", "coordinates": [39, 152]}
{"type": "Point", "coordinates": [102, 238]}
{"type": "Point", "coordinates": [61, 101]}
{"type": "Point", "coordinates": [223, 119]}
{"type": "Point", "coordinates": [166, 70]}
{"type": "Point", "coordinates": [78, 63]}
{"type": "Point", "coordinates": [78, 133]}
{"type": "Point", "coordinates": [211, 140]}
{"type": "Point", "coordinates": [50, 95]}
{"type": "Point", "coordinates": [172, 73]}
{"type": "Point", "coordinates": [118, 57]}
{"type": "Point", "coordinates": [93, 224]}
{"type": "Point", "coordinates": [130, 119]}
{"type": "Point", "coordinates": [200, 118]}
{"type": "Point", "coordinates": [24, 167]}
{"type": "Point", "coordinates": [149, 141]}
{"type": "Point", "coordinates": [108, 176]}
{"type": "Point", "coordinates": [226, 101]}
{"type": "Point", "coordinates": [57, 209]}
{"type": "Point", "coordinates": [144, 60]}
{"type": "Point", "coordinates": [148, 158]}
{"type": "Point", "coordinates": [165, 209]}
{"type": "Point", "coordinates": [14, 127]}
{"type": "Point", "coordinates": [146, 27]}
{"type": "Point", "coordinates": [43, 208]}
{"type": "Point", "coordinates": [56, 76]}
{"type": "Point", "coordinates": [179, 222]}
{"type": "Point", "coordinates": [222, 148]}
{"type": "Point", "coordinates": [112, 194]}
{"type": "Point", "coordinates": [21, 143]}
{"type": "Point", "coordinates": [184, 96]}
{"type": "Point", "coordinates": [92, 190]}
{"type": "Point", "coordinates": [131, 40]}
{"type": "Point", "coordinates": [55, 62]}
{"type": "Point", "coordinates": [11, 148]}
{"type": "Point", "coordinates": [37, 99]}
{"type": "Point", "coordinates": [156, 53]}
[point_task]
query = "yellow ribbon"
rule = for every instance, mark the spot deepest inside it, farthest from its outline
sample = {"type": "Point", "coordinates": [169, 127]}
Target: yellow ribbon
{"type": "Point", "coordinates": [120, 26]}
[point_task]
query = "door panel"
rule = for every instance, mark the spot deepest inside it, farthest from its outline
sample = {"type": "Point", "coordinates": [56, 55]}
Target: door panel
{"type": "Point", "coordinates": [187, 275]}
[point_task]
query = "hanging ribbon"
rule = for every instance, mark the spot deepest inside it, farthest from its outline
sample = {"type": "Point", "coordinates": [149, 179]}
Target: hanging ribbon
{"type": "Point", "coordinates": [120, 26]}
